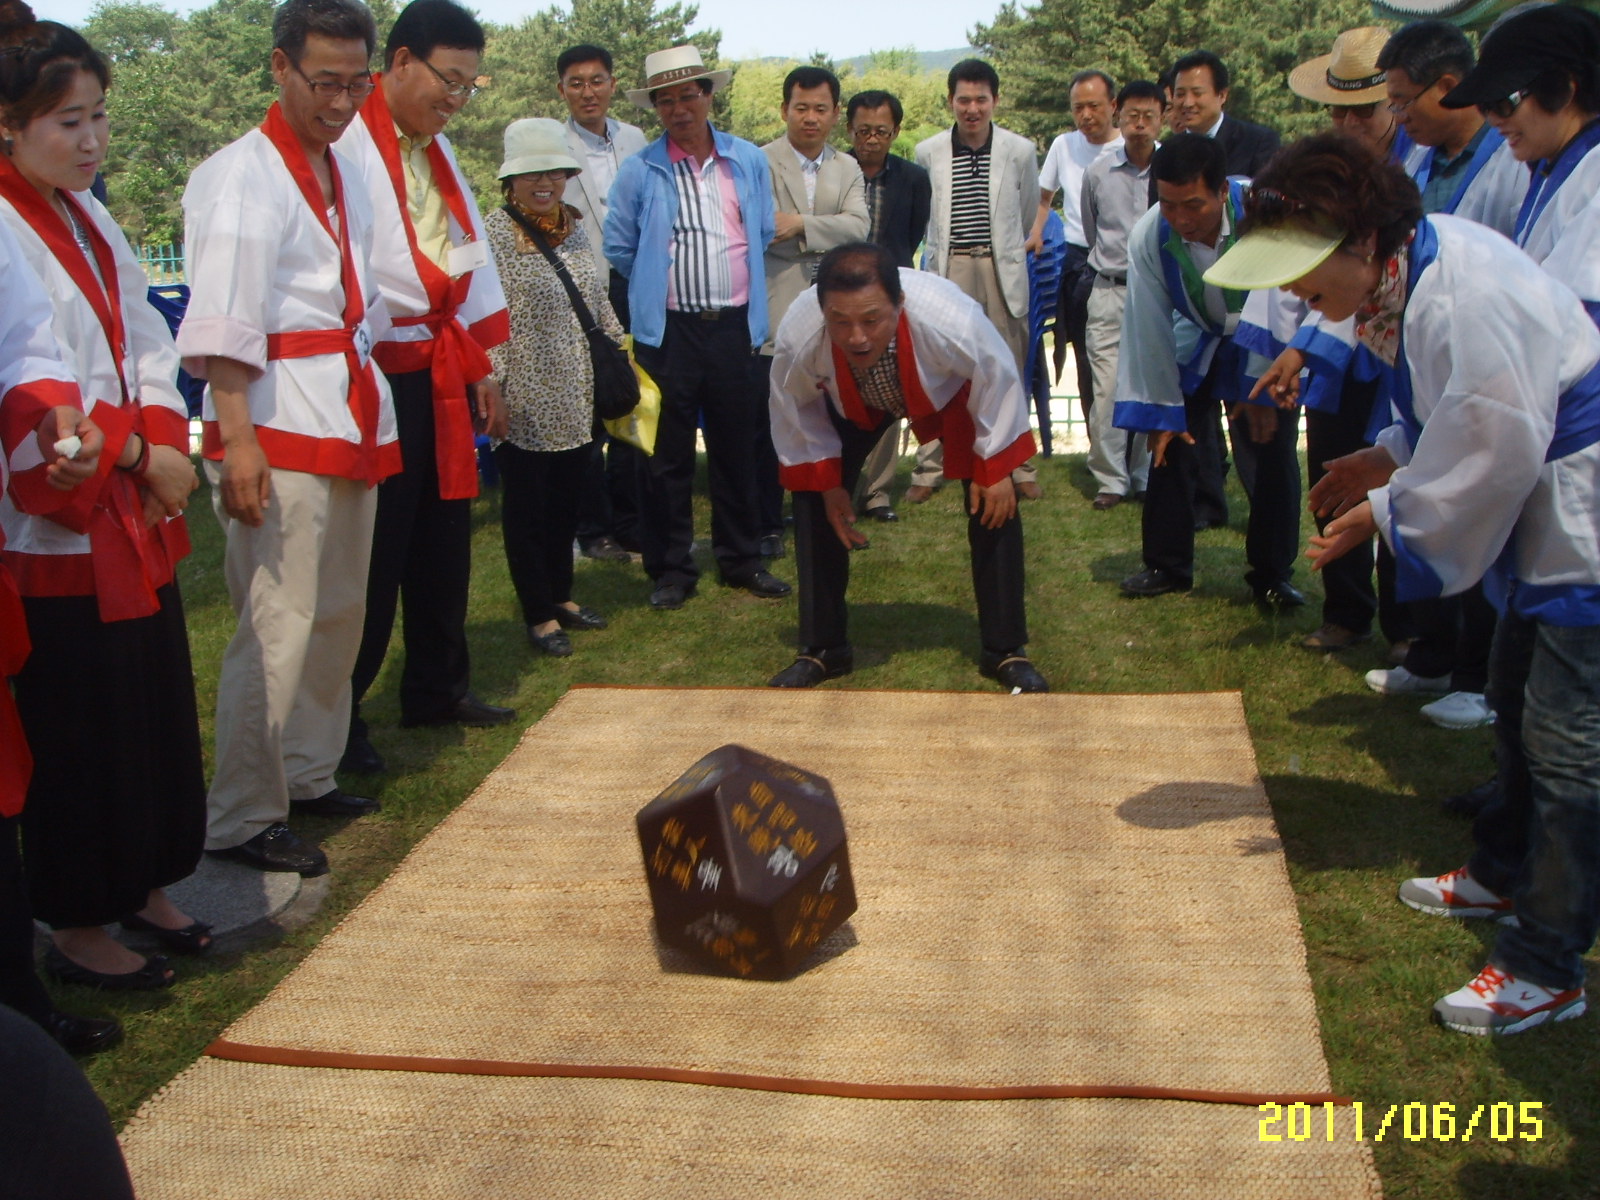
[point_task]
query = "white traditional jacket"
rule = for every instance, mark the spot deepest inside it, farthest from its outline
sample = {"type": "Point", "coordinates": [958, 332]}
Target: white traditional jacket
{"type": "Point", "coordinates": [268, 277]}
{"type": "Point", "coordinates": [958, 377]}
{"type": "Point", "coordinates": [440, 323]}
{"type": "Point", "coordinates": [1497, 404]}
{"type": "Point", "coordinates": [99, 545]}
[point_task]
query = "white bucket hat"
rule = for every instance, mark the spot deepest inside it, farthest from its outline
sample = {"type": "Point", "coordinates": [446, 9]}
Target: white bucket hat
{"type": "Point", "coordinates": [536, 144]}
{"type": "Point", "coordinates": [681, 64]}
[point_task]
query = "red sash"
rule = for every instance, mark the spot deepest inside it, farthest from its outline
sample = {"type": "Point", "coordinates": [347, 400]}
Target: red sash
{"type": "Point", "coordinates": [128, 560]}
{"type": "Point", "coordinates": [455, 357]}
{"type": "Point", "coordinates": [363, 396]}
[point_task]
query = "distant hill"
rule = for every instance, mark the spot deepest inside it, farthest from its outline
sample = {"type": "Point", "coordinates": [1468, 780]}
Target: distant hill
{"type": "Point", "coordinates": [931, 60]}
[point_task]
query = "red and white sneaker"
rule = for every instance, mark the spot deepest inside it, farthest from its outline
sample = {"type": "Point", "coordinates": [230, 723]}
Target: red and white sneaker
{"type": "Point", "coordinates": [1498, 1002]}
{"type": "Point", "coordinates": [1453, 894]}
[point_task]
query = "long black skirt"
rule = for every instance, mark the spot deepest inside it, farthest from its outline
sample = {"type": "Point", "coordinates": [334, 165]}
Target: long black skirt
{"type": "Point", "coordinates": [117, 805]}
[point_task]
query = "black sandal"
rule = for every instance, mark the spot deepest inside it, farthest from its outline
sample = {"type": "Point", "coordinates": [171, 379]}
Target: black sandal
{"type": "Point", "coordinates": [194, 938]}
{"type": "Point", "coordinates": [151, 977]}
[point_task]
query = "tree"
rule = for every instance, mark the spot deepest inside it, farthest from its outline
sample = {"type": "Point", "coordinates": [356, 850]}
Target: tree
{"type": "Point", "coordinates": [1037, 49]}
{"type": "Point", "coordinates": [520, 62]}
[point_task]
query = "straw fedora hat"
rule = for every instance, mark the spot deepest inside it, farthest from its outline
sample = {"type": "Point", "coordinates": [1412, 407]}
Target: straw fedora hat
{"type": "Point", "coordinates": [681, 64]}
{"type": "Point", "coordinates": [1349, 75]}
{"type": "Point", "coordinates": [536, 144]}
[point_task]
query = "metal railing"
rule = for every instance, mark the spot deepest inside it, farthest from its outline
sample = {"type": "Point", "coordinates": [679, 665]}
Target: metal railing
{"type": "Point", "coordinates": [163, 264]}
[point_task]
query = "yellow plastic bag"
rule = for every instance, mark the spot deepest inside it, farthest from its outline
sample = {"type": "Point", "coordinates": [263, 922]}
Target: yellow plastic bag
{"type": "Point", "coordinates": [638, 428]}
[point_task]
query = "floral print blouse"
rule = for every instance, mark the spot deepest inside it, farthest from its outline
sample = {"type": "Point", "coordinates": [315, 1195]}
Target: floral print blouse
{"type": "Point", "coordinates": [544, 370]}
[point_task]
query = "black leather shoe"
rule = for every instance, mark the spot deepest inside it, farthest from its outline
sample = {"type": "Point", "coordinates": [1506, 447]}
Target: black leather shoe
{"type": "Point", "coordinates": [811, 667]}
{"type": "Point", "coordinates": [153, 976]}
{"type": "Point", "coordinates": [556, 643]}
{"type": "Point", "coordinates": [604, 549]}
{"type": "Point", "coordinates": [83, 1035]}
{"type": "Point", "coordinates": [335, 804]}
{"type": "Point", "coordinates": [763, 584]}
{"type": "Point", "coordinates": [1153, 582]}
{"type": "Point", "coordinates": [771, 546]}
{"type": "Point", "coordinates": [1013, 671]}
{"type": "Point", "coordinates": [882, 512]}
{"type": "Point", "coordinates": [583, 617]}
{"type": "Point", "coordinates": [1472, 801]}
{"type": "Point", "coordinates": [278, 848]}
{"type": "Point", "coordinates": [670, 595]}
{"type": "Point", "coordinates": [1280, 596]}
{"type": "Point", "coordinates": [468, 710]}
{"type": "Point", "coordinates": [361, 756]}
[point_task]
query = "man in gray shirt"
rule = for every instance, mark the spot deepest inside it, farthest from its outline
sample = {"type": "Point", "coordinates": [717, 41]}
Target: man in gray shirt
{"type": "Point", "coordinates": [1116, 193]}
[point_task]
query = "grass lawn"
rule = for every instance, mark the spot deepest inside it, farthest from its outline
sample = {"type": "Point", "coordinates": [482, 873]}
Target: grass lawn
{"type": "Point", "coordinates": [1352, 777]}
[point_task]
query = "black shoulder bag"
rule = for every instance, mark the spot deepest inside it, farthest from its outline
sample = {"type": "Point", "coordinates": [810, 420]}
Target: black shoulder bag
{"type": "Point", "coordinates": [616, 387]}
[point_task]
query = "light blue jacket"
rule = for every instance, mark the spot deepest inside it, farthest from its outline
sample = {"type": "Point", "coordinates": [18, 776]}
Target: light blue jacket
{"type": "Point", "coordinates": [638, 232]}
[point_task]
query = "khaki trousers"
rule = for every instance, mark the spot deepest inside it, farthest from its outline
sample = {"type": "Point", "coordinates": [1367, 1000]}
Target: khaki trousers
{"type": "Point", "coordinates": [299, 586]}
{"type": "Point", "coordinates": [1118, 460]}
{"type": "Point", "coordinates": [975, 275]}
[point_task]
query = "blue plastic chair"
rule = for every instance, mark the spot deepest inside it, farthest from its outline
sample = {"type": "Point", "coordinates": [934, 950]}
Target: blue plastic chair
{"type": "Point", "coordinates": [1044, 285]}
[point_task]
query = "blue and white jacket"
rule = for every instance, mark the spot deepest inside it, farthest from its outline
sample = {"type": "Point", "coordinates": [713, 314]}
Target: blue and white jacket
{"type": "Point", "coordinates": [641, 209]}
{"type": "Point", "coordinates": [1496, 392]}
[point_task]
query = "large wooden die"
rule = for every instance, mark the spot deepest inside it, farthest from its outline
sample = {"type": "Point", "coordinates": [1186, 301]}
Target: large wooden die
{"type": "Point", "coordinates": [746, 861]}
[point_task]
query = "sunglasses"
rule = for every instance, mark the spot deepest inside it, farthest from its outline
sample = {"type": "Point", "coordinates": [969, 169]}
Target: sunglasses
{"type": "Point", "coordinates": [1504, 108]}
{"type": "Point", "coordinates": [1361, 112]}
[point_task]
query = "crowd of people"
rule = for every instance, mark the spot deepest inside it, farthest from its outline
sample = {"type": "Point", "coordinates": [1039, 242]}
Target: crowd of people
{"type": "Point", "coordinates": [1423, 280]}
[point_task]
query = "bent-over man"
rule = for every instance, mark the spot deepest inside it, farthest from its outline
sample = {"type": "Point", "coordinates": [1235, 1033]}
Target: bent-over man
{"type": "Point", "coordinates": [869, 344]}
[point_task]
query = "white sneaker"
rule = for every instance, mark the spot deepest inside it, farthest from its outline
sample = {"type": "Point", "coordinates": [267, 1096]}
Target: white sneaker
{"type": "Point", "coordinates": [1453, 894]}
{"type": "Point", "coordinates": [1397, 681]}
{"type": "Point", "coordinates": [1460, 710]}
{"type": "Point", "coordinates": [1498, 1002]}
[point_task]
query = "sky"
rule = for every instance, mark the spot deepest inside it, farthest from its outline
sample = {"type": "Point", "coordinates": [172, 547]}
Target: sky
{"type": "Point", "coordinates": [750, 28]}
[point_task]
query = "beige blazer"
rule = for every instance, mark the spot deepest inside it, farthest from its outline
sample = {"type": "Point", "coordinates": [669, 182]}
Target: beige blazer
{"type": "Point", "coordinates": [1013, 203]}
{"type": "Point", "coordinates": [837, 218]}
{"type": "Point", "coordinates": [582, 192]}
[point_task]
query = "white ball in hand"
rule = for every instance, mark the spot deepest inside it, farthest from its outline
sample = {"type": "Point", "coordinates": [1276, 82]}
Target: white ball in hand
{"type": "Point", "coordinates": [68, 447]}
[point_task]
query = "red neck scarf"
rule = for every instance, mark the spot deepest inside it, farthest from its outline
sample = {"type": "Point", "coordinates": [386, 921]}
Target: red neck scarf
{"type": "Point", "coordinates": [457, 357]}
{"type": "Point", "coordinates": [363, 396]}
{"type": "Point", "coordinates": [54, 230]}
{"type": "Point", "coordinates": [952, 424]}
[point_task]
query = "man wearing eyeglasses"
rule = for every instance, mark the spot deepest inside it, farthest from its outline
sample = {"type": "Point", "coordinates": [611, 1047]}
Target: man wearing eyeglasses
{"type": "Point", "coordinates": [444, 297]}
{"type": "Point", "coordinates": [899, 201]}
{"type": "Point", "coordinates": [608, 506]}
{"type": "Point", "coordinates": [299, 428]}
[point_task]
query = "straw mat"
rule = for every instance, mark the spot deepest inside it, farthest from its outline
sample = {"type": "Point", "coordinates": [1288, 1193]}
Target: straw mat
{"type": "Point", "coordinates": [242, 1131]}
{"type": "Point", "coordinates": [1059, 896]}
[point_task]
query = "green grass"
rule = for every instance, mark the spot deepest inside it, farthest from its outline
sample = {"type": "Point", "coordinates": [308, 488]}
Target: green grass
{"type": "Point", "coordinates": [1352, 778]}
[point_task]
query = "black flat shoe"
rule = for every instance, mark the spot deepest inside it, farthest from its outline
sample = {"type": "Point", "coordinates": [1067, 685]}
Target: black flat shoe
{"type": "Point", "coordinates": [152, 977]}
{"type": "Point", "coordinates": [811, 667]}
{"type": "Point", "coordinates": [555, 643]}
{"type": "Point", "coordinates": [670, 595]}
{"type": "Point", "coordinates": [762, 584]}
{"type": "Point", "coordinates": [361, 757]}
{"type": "Point", "coordinates": [882, 512]}
{"type": "Point", "coordinates": [193, 938]}
{"type": "Point", "coordinates": [583, 617]}
{"type": "Point", "coordinates": [468, 710]}
{"type": "Point", "coordinates": [83, 1035]}
{"type": "Point", "coordinates": [1280, 596]}
{"type": "Point", "coordinates": [771, 546]}
{"type": "Point", "coordinates": [278, 848]}
{"type": "Point", "coordinates": [336, 803]}
{"type": "Point", "coordinates": [1152, 582]}
{"type": "Point", "coordinates": [1014, 671]}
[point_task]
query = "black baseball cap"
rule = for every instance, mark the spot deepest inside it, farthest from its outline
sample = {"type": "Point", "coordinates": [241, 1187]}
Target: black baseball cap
{"type": "Point", "coordinates": [1556, 36]}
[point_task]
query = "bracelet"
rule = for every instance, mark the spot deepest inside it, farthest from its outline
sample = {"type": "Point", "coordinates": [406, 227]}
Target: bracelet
{"type": "Point", "coordinates": [142, 463]}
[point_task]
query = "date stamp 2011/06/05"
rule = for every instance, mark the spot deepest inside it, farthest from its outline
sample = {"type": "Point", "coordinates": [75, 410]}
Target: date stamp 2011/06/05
{"type": "Point", "coordinates": [1414, 1122]}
